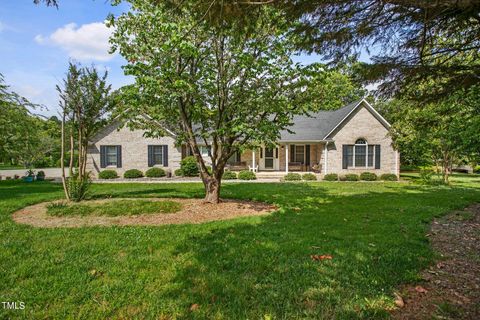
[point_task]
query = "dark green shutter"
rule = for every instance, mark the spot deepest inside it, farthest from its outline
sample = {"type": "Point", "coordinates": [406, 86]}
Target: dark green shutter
{"type": "Point", "coordinates": [119, 156]}
{"type": "Point", "coordinates": [261, 153]}
{"type": "Point", "coordinates": [103, 157]}
{"type": "Point", "coordinates": [377, 156]}
{"type": "Point", "coordinates": [345, 156]}
{"type": "Point", "coordinates": [276, 153]}
{"type": "Point", "coordinates": [239, 156]}
{"type": "Point", "coordinates": [150, 156]}
{"type": "Point", "coordinates": [307, 155]}
{"type": "Point", "coordinates": [165, 156]}
{"type": "Point", "coordinates": [292, 153]}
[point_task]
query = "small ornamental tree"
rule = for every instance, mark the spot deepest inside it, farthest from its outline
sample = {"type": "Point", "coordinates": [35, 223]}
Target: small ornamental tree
{"type": "Point", "coordinates": [228, 86]}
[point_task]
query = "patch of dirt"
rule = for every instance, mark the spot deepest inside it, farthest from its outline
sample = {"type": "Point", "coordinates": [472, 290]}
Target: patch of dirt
{"type": "Point", "coordinates": [193, 211]}
{"type": "Point", "coordinates": [451, 287]}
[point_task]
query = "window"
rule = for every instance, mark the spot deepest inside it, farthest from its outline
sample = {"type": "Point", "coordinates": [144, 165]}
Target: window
{"type": "Point", "coordinates": [111, 155]}
{"type": "Point", "coordinates": [203, 151]}
{"type": "Point", "coordinates": [157, 155]}
{"type": "Point", "coordinates": [235, 158]}
{"type": "Point", "coordinates": [299, 154]}
{"type": "Point", "coordinates": [361, 155]}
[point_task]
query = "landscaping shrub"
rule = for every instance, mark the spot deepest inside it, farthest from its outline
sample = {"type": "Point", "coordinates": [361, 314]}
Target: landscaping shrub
{"type": "Point", "coordinates": [108, 174]}
{"type": "Point", "coordinates": [388, 177]}
{"type": "Point", "coordinates": [178, 173]}
{"type": "Point", "coordinates": [309, 177]}
{"type": "Point", "coordinates": [476, 169]}
{"type": "Point", "coordinates": [331, 177]}
{"type": "Point", "coordinates": [351, 177]}
{"type": "Point", "coordinates": [368, 176]}
{"type": "Point", "coordinates": [247, 175]}
{"type": "Point", "coordinates": [155, 173]}
{"type": "Point", "coordinates": [229, 175]}
{"type": "Point", "coordinates": [133, 174]}
{"type": "Point", "coordinates": [78, 188]}
{"type": "Point", "coordinates": [426, 176]}
{"type": "Point", "coordinates": [189, 166]}
{"type": "Point", "coordinates": [40, 175]}
{"type": "Point", "coordinates": [292, 177]}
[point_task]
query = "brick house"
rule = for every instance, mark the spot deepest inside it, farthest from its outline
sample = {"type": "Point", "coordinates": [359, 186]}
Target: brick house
{"type": "Point", "coordinates": [352, 139]}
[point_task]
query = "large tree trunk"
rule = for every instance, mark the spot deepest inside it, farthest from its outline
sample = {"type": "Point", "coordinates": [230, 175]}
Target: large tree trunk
{"type": "Point", "coordinates": [212, 189]}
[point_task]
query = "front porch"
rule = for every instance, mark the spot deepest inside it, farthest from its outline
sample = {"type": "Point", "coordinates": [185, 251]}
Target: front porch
{"type": "Point", "coordinates": [284, 158]}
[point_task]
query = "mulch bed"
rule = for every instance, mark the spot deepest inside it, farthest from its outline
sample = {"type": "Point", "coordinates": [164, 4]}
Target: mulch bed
{"type": "Point", "coordinates": [193, 211]}
{"type": "Point", "coordinates": [451, 287]}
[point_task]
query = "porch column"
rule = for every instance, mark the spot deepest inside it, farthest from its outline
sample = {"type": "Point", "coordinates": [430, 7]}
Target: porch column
{"type": "Point", "coordinates": [325, 158]}
{"type": "Point", "coordinates": [286, 158]}
{"type": "Point", "coordinates": [253, 160]}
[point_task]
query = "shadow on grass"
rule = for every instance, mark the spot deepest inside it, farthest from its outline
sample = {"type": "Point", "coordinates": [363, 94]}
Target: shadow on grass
{"type": "Point", "coordinates": [377, 240]}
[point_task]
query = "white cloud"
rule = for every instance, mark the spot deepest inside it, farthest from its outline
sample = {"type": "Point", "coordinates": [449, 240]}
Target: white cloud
{"type": "Point", "coordinates": [87, 42]}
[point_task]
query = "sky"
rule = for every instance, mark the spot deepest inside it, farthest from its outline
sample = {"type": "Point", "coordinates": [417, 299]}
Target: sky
{"type": "Point", "coordinates": [37, 43]}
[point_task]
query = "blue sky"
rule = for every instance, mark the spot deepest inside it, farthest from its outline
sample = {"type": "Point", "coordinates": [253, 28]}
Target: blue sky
{"type": "Point", "coordinates": [37, 42]}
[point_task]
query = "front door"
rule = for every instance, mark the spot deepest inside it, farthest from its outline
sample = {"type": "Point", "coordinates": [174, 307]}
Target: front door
{"type": "Point", "coordinates": [269, 159]}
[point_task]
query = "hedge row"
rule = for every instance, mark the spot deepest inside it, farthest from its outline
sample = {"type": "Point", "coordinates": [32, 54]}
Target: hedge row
{"type": "Point", "coordinates": [364, 176]}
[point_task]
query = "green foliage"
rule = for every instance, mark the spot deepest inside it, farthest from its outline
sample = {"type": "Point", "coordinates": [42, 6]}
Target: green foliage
{"type": "Point", "coordinates": [351, 177]}
{"type": "Point", "coordinates": [189, 167]}
{"type": "Point", "coordinates": [476, 169]}
{"type": "Point", "coordinates": [40, 175]}
{"type": "Point", "coordinates": [113, 208]}
{"type": "Point", "coordinates": [389, 177]}
{"type": "Point", "coordinates": [155, 173]}
{"type": "Point", "coordinates": [133, 174]}
{"type": "Point", "coordinates": [426, 175]}
{"type": "Point", "coordinates": [331, 177]}
{"type": "Point", "coordinates": [178, 173]}
{"type": "Point", "coordinates": [108, 174]}
{"type": "Point", "coordinates": [229, 175]}
{"type": "Point", "coordinates": [393, 219]}
{"type": "Point", "coordinates": [368, 176]}
{"type": "Point", "coordinates": [309, 177]}
{"type": "Point", "coordinates": [292, 177]}
{"type": "Point", "coordinates": [247, 175]}
{"type": "Point", "coordinates": [78, 187]}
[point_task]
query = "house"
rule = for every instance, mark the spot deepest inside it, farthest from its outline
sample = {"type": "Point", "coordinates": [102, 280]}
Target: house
{"type": "Point", "coordinates": [352, 139]}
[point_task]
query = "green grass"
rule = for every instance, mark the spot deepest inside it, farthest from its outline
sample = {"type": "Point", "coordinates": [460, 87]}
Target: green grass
{"type": "Point", "coordinates": [114, 208]}
{"type": "Point", "coordinates": [248, 268]}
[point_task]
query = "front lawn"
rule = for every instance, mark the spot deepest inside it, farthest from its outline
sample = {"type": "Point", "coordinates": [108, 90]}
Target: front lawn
{"type": "Point", "coordinates": [257, 267]}
{"type": "Point", "coordinates": [113, 209]}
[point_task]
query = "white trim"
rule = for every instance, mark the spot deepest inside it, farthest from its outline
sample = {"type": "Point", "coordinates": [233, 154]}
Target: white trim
{"type": "Point", "coordinates": [371, 109]}
{"type": "Point", "coordinates": [286, 157]}
{"type": "Point", "coordinates": [325, 157]}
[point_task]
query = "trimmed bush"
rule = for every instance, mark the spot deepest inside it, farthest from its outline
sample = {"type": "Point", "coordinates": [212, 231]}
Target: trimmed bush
{"type": "Point", "coordinates": [388, 177]}
{"type": "Point", "coordinates": [133, 174]}
{"type": "Point", "coordinates": [40, 175]}
{"type": "Point", "coordinates": [292, 177]}
{"type": "Point", "coordinates": [247, 175]}
{"type": "Point", "coordinates": [331, 177]}
{"type": "Point", "coordinates": [309, 177]}
{"type": "Point", "coordinates": [189, 166]}
{"type": "Point", "coordinates": [108, 174]}
{"type": "Point", "coordinates": [155, 173]}
{"type": "Point", "coordinates": [178, 173]}
{"type": "Point", "coordinates": [368, 176]}
{"type": "Point", "coordinates": [476, 169]}
{"type": "Point", "coordinates": [351, 177]}
{"type": "Point", "coordinates": [229, 175]}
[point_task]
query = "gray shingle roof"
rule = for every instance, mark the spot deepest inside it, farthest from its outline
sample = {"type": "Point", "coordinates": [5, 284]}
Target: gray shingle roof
{"type": "Point", "coordinates": [316, 126]}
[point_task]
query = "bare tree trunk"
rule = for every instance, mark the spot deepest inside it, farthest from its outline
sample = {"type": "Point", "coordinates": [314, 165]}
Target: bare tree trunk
{"type": "Point", "coordinates": [212, 188]}
{"type": "Point", "coordinates": [446, 166]}
{"type": "Point", "coordinates": [62, 159]}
